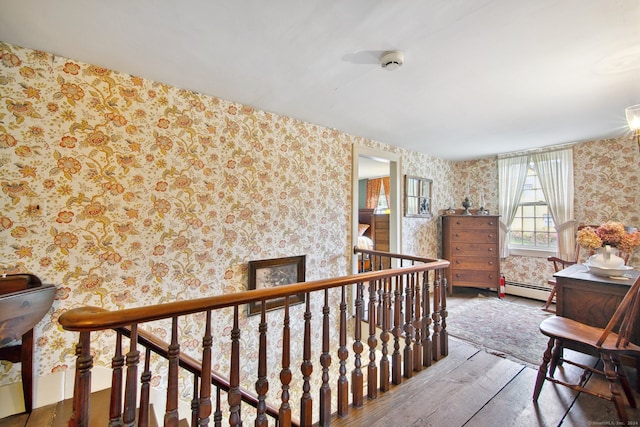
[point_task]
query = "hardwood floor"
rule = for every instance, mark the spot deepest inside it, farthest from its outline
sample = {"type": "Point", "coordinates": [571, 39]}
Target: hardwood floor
{"type": "Point", "coordinates": [473, 388]}
{"type": "Point", "coordinates": [58, 414]}
{"type": "Point", "coordinates": [469, 388]}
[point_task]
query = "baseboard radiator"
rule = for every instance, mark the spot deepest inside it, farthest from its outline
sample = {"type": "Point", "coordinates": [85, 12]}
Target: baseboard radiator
{"type": "Point", "coordinates": [528, 291]}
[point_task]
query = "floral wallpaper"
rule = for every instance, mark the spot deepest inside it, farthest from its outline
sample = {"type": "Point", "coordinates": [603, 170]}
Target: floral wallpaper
{"type": "Point", "coordinates": [126, 192]}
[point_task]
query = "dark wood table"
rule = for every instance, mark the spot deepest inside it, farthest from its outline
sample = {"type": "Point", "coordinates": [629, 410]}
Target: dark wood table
{"type": "Point", "coordinates": [592, 299]}
{"type": "Point", "coordinates": [588, 298]}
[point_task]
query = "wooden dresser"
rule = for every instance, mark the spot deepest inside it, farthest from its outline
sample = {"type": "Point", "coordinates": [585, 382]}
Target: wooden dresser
{"type": "Point", "coordinates": [470, 243]}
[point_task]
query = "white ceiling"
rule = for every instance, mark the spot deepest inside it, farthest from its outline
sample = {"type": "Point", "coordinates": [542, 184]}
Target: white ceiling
{"type": "Point", "coordinates": [480, 76]}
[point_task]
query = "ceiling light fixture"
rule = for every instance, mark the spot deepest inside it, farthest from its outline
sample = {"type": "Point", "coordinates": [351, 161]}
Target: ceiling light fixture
{"type": "Point", "coordinates": [633, 119]}
{"type": "Point", "coordinates": [392, 60]}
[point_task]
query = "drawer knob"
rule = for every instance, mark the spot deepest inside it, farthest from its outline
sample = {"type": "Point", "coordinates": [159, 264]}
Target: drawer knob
{"type": "Point", "coordinates": [490, 249]}
{"type": "Point", "coordinates": [457, 248]}
{"type": "Point", "coordinates": [490, 236]}
{"type": "Point", "coordinates": [458, 275]}
{"type": "Point", "coordinates": [490, 262]}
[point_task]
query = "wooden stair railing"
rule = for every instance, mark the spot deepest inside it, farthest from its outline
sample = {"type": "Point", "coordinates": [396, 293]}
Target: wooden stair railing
{"type": "Point", "coordinates": [154, 344]}
{"type": "Point", "coordinates": [409, 316]}
{"type": "Point", "coordinates": [380, 260]}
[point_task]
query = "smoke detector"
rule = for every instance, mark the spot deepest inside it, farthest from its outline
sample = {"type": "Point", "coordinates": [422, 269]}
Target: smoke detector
{"type": "Point", "coordinates": [392, 60]}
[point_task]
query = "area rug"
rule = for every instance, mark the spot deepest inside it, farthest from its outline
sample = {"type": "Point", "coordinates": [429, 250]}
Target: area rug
{"type": "Point", "coordinates": [501, 327]}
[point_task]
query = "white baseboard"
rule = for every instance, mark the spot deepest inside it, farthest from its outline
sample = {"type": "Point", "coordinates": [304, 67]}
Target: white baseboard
{"type": "Point", "coordinates": [53, 388]}
{"type": "Point", "coordinates": [532, 292]}
{"type": "Point", "coordinates": [49, 389]}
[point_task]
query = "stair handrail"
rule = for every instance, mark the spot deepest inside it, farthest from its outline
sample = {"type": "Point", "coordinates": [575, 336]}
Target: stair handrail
{"type": "Point", "coordinates": [89, 319]}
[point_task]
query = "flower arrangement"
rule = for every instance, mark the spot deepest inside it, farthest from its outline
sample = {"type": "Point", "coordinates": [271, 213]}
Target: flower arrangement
{"type": "Point", "coordinates": [609, 234]}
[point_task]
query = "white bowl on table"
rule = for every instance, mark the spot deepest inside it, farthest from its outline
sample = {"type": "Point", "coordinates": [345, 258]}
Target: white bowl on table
{"type": "Point", "coordinates": [608, 271]}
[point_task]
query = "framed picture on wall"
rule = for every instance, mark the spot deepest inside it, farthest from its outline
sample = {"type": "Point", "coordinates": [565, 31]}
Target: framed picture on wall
{"type": "Point", "coordinates": [417, 196]}
{"type": "Point", "coordinates": [268, 273]}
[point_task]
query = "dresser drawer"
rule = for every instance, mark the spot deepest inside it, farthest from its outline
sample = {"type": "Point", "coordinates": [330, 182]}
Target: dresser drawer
{"type": "Point", "coordinates": [475, 277]}
{"type": "Point", "coordinates": [474, 236]}
{"type": "Point", "coordinates": [487, 263]}
{"type": "Point", "coordinates": [474, 222]}
{"type": "Point", "coordinates": [480, 249]}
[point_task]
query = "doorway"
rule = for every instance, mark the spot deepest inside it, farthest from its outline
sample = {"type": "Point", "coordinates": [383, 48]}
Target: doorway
{"type": "Point", "coordinates": [366, 158]}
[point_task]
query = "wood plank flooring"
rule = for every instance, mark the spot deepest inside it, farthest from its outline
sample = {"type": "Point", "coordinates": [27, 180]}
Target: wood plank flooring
{"type": "Point", "coordinates": [469, 388]}
{"type": "Point", "coordinates": [473, 388]}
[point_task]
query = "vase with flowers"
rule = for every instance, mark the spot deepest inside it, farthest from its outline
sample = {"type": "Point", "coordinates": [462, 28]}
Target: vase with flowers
{"type": "Point", "coordinates": [604, 239]}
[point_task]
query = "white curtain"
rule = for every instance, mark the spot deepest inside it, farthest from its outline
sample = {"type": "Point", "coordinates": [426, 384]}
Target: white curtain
{"type": "Point", "coordinates": [555, 172]}
{"type": "Point", "coordinates": [512, 172]}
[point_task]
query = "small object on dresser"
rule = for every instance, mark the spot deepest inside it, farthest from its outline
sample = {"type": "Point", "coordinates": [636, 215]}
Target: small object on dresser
{"type": "Point", "coordinates": [466, 204]}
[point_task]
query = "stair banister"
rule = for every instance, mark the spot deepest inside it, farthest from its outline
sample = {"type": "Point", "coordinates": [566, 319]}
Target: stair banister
{"type": "Point", "coordinates": [398, 316]}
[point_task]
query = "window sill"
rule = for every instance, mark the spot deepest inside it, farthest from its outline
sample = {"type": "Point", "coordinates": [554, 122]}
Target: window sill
{"type": "Point", "coordinates": [533, 253]}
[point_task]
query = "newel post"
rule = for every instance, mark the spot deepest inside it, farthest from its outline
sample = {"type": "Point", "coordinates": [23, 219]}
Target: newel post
{"type": "Point", "coordinates": [82, 383]}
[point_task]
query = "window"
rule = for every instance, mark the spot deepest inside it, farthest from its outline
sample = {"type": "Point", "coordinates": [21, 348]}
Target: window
{"type": "Point", "coordinates": [532, 226]}
{"type": "Point", "coordinates": [382, 206]}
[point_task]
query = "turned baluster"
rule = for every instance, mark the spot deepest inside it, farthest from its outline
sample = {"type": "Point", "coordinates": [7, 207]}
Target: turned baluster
{"type": "Point", "coordinates": [380, 266]}
{"type": "Point", "coordinates": [396, 359]}
{"type": "Point", "coordinates": [145, 386]}
{"type": "Point", "coordinates": [306, 402]}
{"type": "Point", "coordinates": [427, 348]}
{"type": "Point", "coordinates": [417, 322]}
{"type": "Point", "coordinates": [204, 406]}
{"type": "Point", "coordinates": [444, 334]}
{"type": "Point", "coordinates": [408, 327]}
{"type": "Point", "coordinates": [384, 335]}
{"type": "Point", "coordinates": [233, 395]}
{"type": "Point", "coordinates": [435, 315]}
{"type": "Point", "coordinates": [171, 416]}
{"type": "Point", "coordinates": [372, 342]}
{"type": "Point", "coordinates": [357, 379]}
{"type": "Point", "coordinates": [284, 413]}
{"type": "Point", "coordinates": [343, 354]}
{"type": "Point", "coordinates": [217, 415]}
{"type": "Point", "coordinates": [262, 384]}
{"type": "Point", "coordinates": [115, 405]}
{"type": "Point", "coordinates": [380, 305]}
{"type": "Point", "coordinates": [82, 387]}
{"type": "Point", "coordinates": [131, 393]}
{"type": "Point", "coordinates": [195, 402]}
{"type": "Point", "coordinates": [325, 362]}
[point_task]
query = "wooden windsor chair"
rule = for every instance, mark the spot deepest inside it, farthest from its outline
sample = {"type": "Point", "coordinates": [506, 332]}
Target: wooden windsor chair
{"type": "Point", "coordinates": [607, 343]}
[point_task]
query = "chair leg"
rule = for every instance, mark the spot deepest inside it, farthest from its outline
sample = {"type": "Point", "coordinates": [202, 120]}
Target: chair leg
{"type": "Point", "coordinates": [27, 370]}
{"type": "Point", "coordinates": [622, 377]}
{"type": "Point", "coordinates": [556, 358]}
{"type": "Point", "coordinates": [550, 299]}
{"type": "Point", "coordinates": [616, 397]}
{"type": "Point", "coordinates": [542, 370]}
